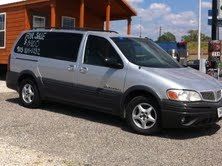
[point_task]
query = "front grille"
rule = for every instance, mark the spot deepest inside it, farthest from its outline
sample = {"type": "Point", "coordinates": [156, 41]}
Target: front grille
{"type": "Point", "coordinates": [208, 96]}
{"type": "Point", "coordinates": [211, 96]}
{"type": "Point", "coordinates": [218, 94]}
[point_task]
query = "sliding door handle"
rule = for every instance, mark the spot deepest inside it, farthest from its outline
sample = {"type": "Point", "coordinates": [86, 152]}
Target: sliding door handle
{"type": "Point", "coordinates": [83, 70]}
{"type": "Point", "coordinates": [70, 68]}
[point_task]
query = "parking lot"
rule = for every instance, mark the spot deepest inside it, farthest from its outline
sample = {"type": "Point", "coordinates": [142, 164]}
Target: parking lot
{"type": "Point", "coordinates": [57, 134]}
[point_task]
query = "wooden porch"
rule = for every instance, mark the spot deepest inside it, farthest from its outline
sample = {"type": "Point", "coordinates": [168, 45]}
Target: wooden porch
{"type": "Point", "coordinates": [87, 13]}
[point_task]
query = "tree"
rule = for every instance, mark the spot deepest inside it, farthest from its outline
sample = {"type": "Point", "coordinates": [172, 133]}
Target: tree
{"type": "Point", "coordinates": [167, 37]}
{"type": "Point", "coordinates": [193, 36]}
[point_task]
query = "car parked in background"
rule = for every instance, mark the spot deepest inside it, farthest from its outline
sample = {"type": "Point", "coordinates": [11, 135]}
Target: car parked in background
{"type": "Point", "coordinates": [178, 50]}
{"type": "Point", "coordinates": [195, 64]}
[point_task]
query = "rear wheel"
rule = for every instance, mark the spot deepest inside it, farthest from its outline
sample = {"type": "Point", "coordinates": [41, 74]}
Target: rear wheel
{"type": "Point", "coordinates": [143, 115]}
{"type": "Point", "coordinates": [29, 94]}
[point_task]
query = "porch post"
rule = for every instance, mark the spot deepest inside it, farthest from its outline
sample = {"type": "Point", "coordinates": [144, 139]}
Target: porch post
{"type": "Point", "coordinates": [108, 8]}
{"type": "Point", "coordinates": [82, 12]}
{"type": "Point", "coordinates": [27, 22]}
{"type": "Point", "coordinates": [53, 13]}
{"type": "Point", "coordinates": [129, 25]}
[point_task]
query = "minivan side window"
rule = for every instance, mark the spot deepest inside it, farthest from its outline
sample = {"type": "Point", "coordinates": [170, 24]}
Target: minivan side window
{"type": "Point", "coordinates": [61, 46]}
{"type": "Point", "coordinates": [97, 50]}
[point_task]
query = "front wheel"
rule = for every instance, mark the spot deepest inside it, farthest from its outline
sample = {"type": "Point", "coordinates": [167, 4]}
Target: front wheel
{"type": "Point", "coordinates": [29, 94]}
{"type": "Point", "coordinates": [143, 115]}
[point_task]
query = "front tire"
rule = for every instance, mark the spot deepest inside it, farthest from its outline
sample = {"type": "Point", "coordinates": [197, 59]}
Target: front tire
{"type": "Point", "coordinates": [29, 94]}
{"type": "Point", "coordinates": [143, 116]}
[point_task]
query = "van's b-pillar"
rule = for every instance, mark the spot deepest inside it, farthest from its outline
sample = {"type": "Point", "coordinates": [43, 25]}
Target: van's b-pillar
{"type": "Point", "coordinates": [108, 8]}
{"type": "Point", "coordinates": [53, 13]}
{"type": "Point", "coordinates": [129, 25]}
{"type": "Point", "coordinates": [82, 12]}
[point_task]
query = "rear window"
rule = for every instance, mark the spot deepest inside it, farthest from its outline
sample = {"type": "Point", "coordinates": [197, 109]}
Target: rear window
{"type": "Point", "coordinates": [61, 46]}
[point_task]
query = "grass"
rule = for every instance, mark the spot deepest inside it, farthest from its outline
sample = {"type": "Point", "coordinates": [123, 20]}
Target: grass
{"type": "Point", "coordinates": [193, 47]}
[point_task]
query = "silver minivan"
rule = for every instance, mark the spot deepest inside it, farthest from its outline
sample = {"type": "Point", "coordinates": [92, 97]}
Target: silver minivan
{"type": "Point", "coordinates": [126, 76]}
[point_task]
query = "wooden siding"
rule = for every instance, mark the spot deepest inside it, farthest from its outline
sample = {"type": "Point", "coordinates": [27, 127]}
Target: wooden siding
{"type": "Point", "coordinates": [93, 21]}
{"type": "Point", "coordinates": [67, 8]}
{"type": "Point", "coordinates": [15, 24]}
{"type": "Point", "coordinates": [72, 9]}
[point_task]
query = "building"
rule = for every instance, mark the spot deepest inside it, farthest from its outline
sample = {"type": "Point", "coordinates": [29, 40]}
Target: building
{"type": "Point", "coordinates": [22, 15]}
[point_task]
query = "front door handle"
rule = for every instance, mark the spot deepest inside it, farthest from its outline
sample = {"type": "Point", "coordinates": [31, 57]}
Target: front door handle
{"type": "Point", "coordinates": [83, 70]}
{"type": "Point", "coordinates": [70, 68]}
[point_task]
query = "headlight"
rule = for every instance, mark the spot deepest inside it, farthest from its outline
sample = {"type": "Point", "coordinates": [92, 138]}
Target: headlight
{"type": "Point", "coordinates": [183, 95]}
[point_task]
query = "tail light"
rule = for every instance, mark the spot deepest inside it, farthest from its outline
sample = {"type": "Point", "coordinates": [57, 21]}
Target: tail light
{"type": "Point", "coordinates": [9, 63]}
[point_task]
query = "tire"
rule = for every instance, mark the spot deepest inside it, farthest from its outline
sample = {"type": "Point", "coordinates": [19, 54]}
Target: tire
{"type": "Point", "coordinates": [29, 94]}
{"type": "Point", "coordinates": [143, 116]}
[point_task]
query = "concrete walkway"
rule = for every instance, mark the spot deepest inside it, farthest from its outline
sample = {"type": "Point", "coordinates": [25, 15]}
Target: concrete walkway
{"type": "Point", "coordinates": [3, 88]}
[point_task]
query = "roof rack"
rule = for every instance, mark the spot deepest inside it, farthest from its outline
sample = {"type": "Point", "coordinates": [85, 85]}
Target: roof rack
{"type": "Point", "coordinates": [77, 29]}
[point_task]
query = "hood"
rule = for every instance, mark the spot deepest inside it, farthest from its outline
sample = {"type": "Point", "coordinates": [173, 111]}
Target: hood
{"type": "Point", "coordinates": [186, 78]}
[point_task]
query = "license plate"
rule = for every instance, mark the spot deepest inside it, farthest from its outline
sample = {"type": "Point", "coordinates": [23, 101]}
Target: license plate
{"type": "Point", "coordinates": [219, 111]}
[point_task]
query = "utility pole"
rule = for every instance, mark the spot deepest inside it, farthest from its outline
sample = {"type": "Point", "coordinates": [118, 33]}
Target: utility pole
{"type": "Point", "coordinates": [160, 32]}
{"type": "Point", "coordinates": [199, 29]}
{"type": "Point", "coordinates": [215, 28]}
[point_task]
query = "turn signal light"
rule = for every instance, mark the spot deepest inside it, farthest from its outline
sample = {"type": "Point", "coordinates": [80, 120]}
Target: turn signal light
{"type": "Point", "coordinates": [172, 95]}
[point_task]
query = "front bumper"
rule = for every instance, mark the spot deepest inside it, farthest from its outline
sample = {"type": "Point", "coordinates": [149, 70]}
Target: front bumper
{"type": "Point", "coordinates": [176, 114]}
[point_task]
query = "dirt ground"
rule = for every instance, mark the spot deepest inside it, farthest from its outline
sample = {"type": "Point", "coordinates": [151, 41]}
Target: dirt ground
{"type": "Point", "coordinates": [57, 134]}
{"type": "Point", "coordinates": [194, 57]}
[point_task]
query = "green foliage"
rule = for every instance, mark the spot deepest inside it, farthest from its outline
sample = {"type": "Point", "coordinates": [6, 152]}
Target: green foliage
{"type": "Point", "coordinates": [193, 36]}
{"type": "Point", "coordinates": [167, 37]}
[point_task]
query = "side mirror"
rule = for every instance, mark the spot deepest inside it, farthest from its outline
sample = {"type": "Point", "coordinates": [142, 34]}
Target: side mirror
{"type": "Point", "coordinates": [112, 63]}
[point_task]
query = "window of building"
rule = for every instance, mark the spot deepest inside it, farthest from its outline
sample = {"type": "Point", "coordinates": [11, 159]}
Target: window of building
{"type": "Point", "coordinates": [39, 22]}
{"type": "Point", "coordinates": [60, 46]}
{"type": "Point", "coordinates": [68, 22]}
{"type": "Point", "coordinates": [98, 49]}
{"type": "Point", "coordinates": [2, 30]}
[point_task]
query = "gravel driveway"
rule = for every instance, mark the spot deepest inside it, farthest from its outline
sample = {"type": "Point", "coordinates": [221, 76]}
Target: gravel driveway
{"type": "Point", "coordinates": [3, 88]}
{"type": "Point", "coordinates": [65, 135]}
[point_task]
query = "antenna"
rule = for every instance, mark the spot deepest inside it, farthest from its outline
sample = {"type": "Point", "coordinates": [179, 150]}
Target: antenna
{"type": "Point", "coordinates": [140, 26]}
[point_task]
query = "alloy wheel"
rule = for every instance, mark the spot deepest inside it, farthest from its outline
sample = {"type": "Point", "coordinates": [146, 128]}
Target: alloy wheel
{"type": "Point", "coordinates": [28, 93]}
{"type": "Point", "coordinates": [144, 116]}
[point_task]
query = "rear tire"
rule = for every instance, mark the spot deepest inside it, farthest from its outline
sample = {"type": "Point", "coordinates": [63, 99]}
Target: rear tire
{"type": "Point", "coordinates": [143, 116]}
{"type": "Point", "coordinates": [29, 94]}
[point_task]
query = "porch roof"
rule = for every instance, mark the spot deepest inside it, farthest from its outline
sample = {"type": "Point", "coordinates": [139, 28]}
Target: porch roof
{"type": "Point", "coordinates": [120, 9]}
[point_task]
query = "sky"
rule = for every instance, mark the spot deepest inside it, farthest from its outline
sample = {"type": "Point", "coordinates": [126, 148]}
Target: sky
{"type": "Point", "coordinates": [2, 2]}
{"type": "Point", "coordinates": [176, 16]}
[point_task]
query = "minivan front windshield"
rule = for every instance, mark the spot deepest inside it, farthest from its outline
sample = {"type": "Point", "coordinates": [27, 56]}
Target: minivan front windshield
{"type": "Point", "coordinates": [144, 52]}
